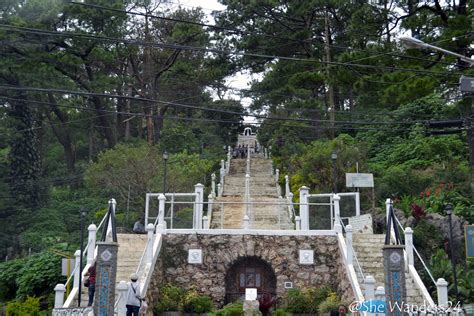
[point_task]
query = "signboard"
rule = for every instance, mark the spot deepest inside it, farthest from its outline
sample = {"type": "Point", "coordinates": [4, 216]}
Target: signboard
{"type": "Point", "coordinates": [67, 265]}
{"type": "Point", "coordinates": [250, 294]}
{"type": "Point", "coordinates": [466, 84]}
{"type": "Point", "coordinates": [469, 237]}
{"type": "Point", "coordinates": [359, 180]}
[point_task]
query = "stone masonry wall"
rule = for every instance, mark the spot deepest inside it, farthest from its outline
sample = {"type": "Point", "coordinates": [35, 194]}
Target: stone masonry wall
{"type": "Point", "coordinates": [221, 251]}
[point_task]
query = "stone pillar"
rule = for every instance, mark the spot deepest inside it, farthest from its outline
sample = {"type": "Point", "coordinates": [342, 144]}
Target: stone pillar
{"type": "Point", "coordinates": [304, 208]}
{"type": "Point", "coordinates": [349, 245]}
{"type": "Point", "coordinates": [287, 186]}
{"type": "Point", "coordinates": [337, 214]}
{"type": "Point", "coordinates": [369, 288]}
{"type": "Point", "coordinates": [91, 243]}
{"type": "Point", "coordinates": [442, 289]}
{"type": "Point", "coordinates": [394, 270]}
{"type": "Point", "coordinates": [213, 185]}
{"type": "Point", "coordinates": [357, 203]}
{"type": "Point", "coordinates": [122, 289]}
{"type": "Point", "coordinates": [277, 175]}
{"type": "Point", "coordinates": [59, 290]}
{"type": "Point", "coordinates": [77, 269]}
{"type": "Point", "coordinates": [219, 190]}
{"type": "Point", "coordinates": [104, 299]}
{"type": "Point", "coordinates": [409, 245]}
{"type": "Point", "coordinates": [161, 209]}
{"type": "Point", "coordinates": [149, 245]}
{"type": "Point", "coordinates": [210, 204]}
{"type": "Point", "coordinates": [298, 222]}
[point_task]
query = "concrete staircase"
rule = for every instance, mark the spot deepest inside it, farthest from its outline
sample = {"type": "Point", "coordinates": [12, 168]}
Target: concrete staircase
{"type": "Point", "coordinates": [368, 249]}
{"type": "Point", "coordinates": [267, 211]}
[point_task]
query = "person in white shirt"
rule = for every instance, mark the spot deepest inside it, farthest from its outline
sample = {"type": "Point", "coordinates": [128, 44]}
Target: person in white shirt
{"type": "Point", "coordinates": [133, 296]}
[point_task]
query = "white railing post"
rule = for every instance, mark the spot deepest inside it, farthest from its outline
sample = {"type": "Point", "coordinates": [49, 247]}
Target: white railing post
{"type": "Point", "coordinates": [442, 289]}
{"type": "Point", "coordinates": [290, 205]}
{"type": "Point", "coordinates": [246, 222]}
{"type": "Point", "coordinates": [349, 244]}
{"type": "Point", "coordinates": [147, 208]}
{"type": "Point", "coordinates": [59, 290]}
{"type": "Point", "coordinates": [409, 245]}
{"type": "Point", "coordinates": [298, 222]}
{"type": "Point", "coordinates": [380, 296]}
{"type": "Point", "coordinates": [219, 190]}
{"type": "Point", "coordinates": [229, 155]}
{"type": "Point", "coordinates": [247, 193]}
{"type": "Point", "coordinates": [77, 257]}
{"type": "Point", "coordinates": [277, 175]}
{"type": "Point", "coordinates": [91, 243]}
{"type": "Point", "coordinates": [213, 185]}
{"type": "Point", "coordinates": [161, 209]}
{"type": "Point", "coordinates": [357, 203]}
{"type": "Point", "coordinates": [205, 223]}
{"type": "Point", "coordinates": [269, 151]}
{"type": "Point", "coordinates": [199, 190]}
{"type": "Point", "coordinates": [150, 229]}
{"type": "Point", "coordinates": [287, 186]}
{"type": "Point", "coordinates": [122, 289]}
{"type": "Point", "coordinates": [369, 283]}
{"type": "Point", "coordinates": [304, 209]}
{"type": "Point", "coordinates": [337, 214]}
{"type": "Point", "coordinates": [247, 169]}
{"type": "Point", "coordinates": [222, 172]}
{"type": "Point", "coordinates": [210, 200]}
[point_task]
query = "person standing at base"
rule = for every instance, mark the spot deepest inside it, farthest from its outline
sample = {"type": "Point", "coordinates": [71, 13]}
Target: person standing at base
{"type": "Point", "coordinates": [133, 296]}
{"type": "Point", "coordinates": [91, 273]}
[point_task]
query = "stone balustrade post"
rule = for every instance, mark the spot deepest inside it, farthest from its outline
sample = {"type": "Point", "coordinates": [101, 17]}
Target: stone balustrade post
{"type": "Point", "coordinates": [304, 208]}
{"type": "Point", "coordinates": [199, 190]}
{"type": "Point", "coordinates": [210, 204]}
{"type": "Point", "coordinates": [205, 223]}
{"type": "Point", "coordinates": [122, 289]}
{"type": "Point", "coordinates": [277, 175]}
{"type": "Point", "coordinates": [161, 209]}
{"type": "Point", "coordinates": [265, 152]}
{"type": "Point", "coordinates": [297, 223]}
{"type": "Point", "coordinates": [150, 229]}
{"type": "Point", "coordinates": [213, 184]}
{"type": "Point", "coordinates": [91, 243]}
{"type": "Point", "coordinates": [246, 222]}
{"type": "Point", "coordinates": [219, 190]}
{"type": "Point", "coordinates": [442, 289]}
{"type": "Point", "coordinates": [369, 283]}
{"type": "Point", "coordinates": [287, 186]}
{"type": "Point", "coordinates": [409, 245]}
{"type": "Point", "coordinates": [337, 213]}
{"type": "Point", "coordinates": [350, 254]}
{"type": "Point", "coordinates": [59, 290]}
{"type": "Point", "coordinates": [77, 269]}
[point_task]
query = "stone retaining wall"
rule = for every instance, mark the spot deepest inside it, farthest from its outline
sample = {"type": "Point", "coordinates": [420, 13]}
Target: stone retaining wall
{"type": "Point", "coordinates": [219, 252]}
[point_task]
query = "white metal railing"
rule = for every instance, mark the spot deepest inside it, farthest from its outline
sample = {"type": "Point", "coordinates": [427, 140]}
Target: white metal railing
{"type": "Point", "coordinates": [408, 254]}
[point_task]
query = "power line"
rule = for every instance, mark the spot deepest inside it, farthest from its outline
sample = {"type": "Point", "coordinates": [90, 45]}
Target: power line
{"type": "Point", "coordinates": [213, 50]}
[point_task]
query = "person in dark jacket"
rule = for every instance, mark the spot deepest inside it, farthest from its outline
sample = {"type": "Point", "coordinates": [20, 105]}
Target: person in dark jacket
{"type": "Point", "coordinates": [91, 273]}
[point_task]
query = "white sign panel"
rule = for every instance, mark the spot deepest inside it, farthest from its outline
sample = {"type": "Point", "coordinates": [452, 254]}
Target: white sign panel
{"type": "Point", "coordinates": [67, 265]}
{"type": "Point", "coordinates": [250, 294]}
{"type": "Point", "coordinates": [359, 180]}
{"type": "Point", "coordinates": [306, 256]}
{"type": "Point", "coordinates": [195, 256]}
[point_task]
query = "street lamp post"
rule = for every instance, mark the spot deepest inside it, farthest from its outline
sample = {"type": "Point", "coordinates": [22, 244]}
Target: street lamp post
{"type": "Point", "coordinates": [82, 215]}
{"type": "Point", "coordinates": [165, 160]}
{"type": "Point", "coordinates": [334, 158]}
{"type": "Point", "coordinates": [449, 212]}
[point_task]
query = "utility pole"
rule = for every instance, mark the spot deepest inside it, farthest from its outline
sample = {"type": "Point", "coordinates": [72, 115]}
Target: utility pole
{"type": "Point", "coordinates": [331, 103]}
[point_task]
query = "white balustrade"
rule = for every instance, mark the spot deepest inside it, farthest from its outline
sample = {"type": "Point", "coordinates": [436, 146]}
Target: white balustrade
{"type": "Point", "coordinates": [369, 287]}
{"type": "Point", "coordinates": [297, 223]}
{"type": "Point", "coordinates": [213, 184]}
{"type": "Point", "coordinates": [246, 222]}
{"type": "Point", "coordinates": [219, 190]}
{"type": "Point", "coordinates": [287, 186]}
{"type": "Point", "coordinates": [210, 204]}
{"type": "Point", "coordinates": [304, 208]}
{"type": "Point", "coordinates": [199, 190]}
{"type": "Point", "coordinates": [277, 175]}
{"type": "Point", "coordinates": [337, 213]}
{"type": "Point", "coordinates": [205, 222]}
{"type": "Point", "coordinates": [91, 240]}
{"type": "Point", "coordinates": [409, 245]}
{"type": "Point", "coordinates": [59, 290]}
{"type": "Point", "coordinates": [122, 289]}
{"type": "Point", "coordinates": [77, 258]}
{"type": "Point", "coordinates": [161, 209]}
{"type": "Point", "coordinates": [442, 289]}
{"type": "Point", "coordinates": [150, 229]}
{"type": "Point", "coordinates": [350, 254]}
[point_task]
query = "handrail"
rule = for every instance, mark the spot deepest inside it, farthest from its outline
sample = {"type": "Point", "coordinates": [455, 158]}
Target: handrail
{"type": "Point", "coordinates": [424, 265]}
{"type": "Point", "coordinates": [354, 256]}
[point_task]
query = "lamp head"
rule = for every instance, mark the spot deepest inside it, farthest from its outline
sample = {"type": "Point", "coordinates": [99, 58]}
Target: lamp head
{"type": "Point", "coordinates": [449, 209]}
{"type": "Point", "coordinates": [334, 156]}
{"type": "Point", "coordinates": [411, 42]}
{"type": "Point", "coordinates": [165, 155]}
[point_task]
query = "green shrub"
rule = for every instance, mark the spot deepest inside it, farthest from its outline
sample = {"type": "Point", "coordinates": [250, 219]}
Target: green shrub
{"type": "Point", "coordinates": [199, 304]}
{"type": "Point", "coordinates": [30, 306]}
{"type": "Point", "coordinates": [235, 309]}
{"type": "Point", "coordinates": [171, 299]}
{"type": "Point", "coordinates": [305, 301]}
{"type": "Point", "coordinates": [332, 302]}
{"type": "Point", "coordinates": [280, 312]}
